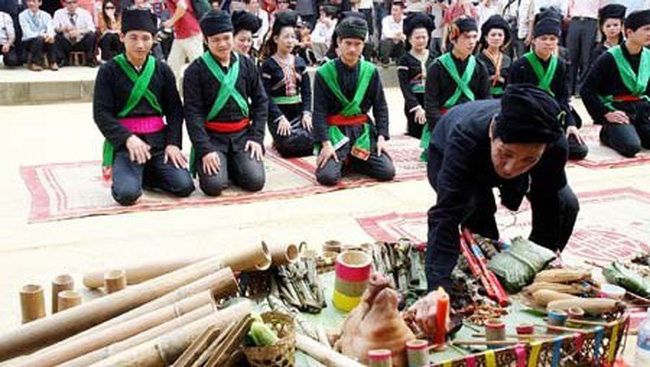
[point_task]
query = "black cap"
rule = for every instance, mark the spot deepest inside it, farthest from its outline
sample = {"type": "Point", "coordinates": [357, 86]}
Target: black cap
{"type": "Point", "coordinates": [547, 26]}
{"type": "Point", "coordinates": [138, 20]}
{"type": "Point", "coordinates": [352, 26]}
{"type": "Point", "coordinates": [637, 19]}
{"type": "Point", "coordinates": [287, 18]}
{"type": "Point", "coordinates": [499, 22]}
{"type": "Point", "coordinates": [611, 11]}
{"type": "Point", "coordinates": [417, 20]}
{"type": "Point", "coordinates": [528, 115]}
{"type": "Point", "coordinates": [466, 25]}
{"type": "Point", "coordinates": [215, 22]}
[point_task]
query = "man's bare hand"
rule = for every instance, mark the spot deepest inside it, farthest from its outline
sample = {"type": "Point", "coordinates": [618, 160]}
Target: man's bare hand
{"type": "Point", "coordinates": [211, 163]}
{"type": "Point", "coordinates": [327, 152]}
{"type": "Point", "coordinates": [173, 154]}
{"type": "Point", "coordinates": [139, 151]}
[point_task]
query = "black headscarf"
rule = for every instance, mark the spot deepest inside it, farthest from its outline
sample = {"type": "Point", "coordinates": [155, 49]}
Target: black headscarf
{"type": "Point", "coordinates": [528, 115]}
{"type": "Point", "coordinates": [245, 21]}
{"type": "Point", "coordinates": [495, 21]}
{"type": "Point", "coordinates": [215, 22]}
{"type": "Point", "coordinates": [415, 20]}
{"type": "Point", "coordinates": [287, 18]}
{"type": "Point", "coordinates": [138, 20]}
{"type": "Point", "coordinates": [611, 11]}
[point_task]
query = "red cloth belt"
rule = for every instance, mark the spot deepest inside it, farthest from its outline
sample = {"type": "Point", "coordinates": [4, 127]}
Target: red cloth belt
{"type": "Point", "coordinates": [340, 120]}
{"type": "Point", "coordinates": [443, 111]}
{"type": "Point", "coordinates": [627, 98]}
{"type": "Point", "coordinates": [223, 127]}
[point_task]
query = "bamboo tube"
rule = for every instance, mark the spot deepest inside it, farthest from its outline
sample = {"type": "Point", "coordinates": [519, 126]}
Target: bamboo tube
{"type": "Point", "coordinates": [221, 284]}
{"type": "Point", "coordinates": [242, 259]}
{"type": "Point", "coordinates": [323, 354]}
{"type": "Point", "coordinates": [32, 302]}
{"type": "Point", "coordinates": [47, 331]}
{"type": "Point", "coordinates": [164, 350]}
{"type": "Point", "coordinates": [60, 283]}
{"type": "Point", "coordinates": [490, 343]}
{"type": "Point", "coordinates": [68, 299]}
{"type": "Point", "coordinates": [92, 342]}
{"type": "Point", "coordinates": [114, 281]}
{"type": "Point", "coordinates": [561, 328]}
{"type": "Point", "coordinates": [284, 254]}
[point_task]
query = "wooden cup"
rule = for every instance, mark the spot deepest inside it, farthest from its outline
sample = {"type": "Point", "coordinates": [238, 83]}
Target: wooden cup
{"type": "Point", "coordinates": [68, 299]}
{"type": "Point", "coordinates": [114, 281]}
{"type": "Point", "coordinates": [59, 284]}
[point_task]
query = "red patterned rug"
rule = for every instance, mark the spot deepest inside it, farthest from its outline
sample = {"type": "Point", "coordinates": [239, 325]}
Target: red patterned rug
{"type": "Point", "coordinates": [598, 235]}
{"type": "Point", "coordinates": [75, 190]}
{"type": "Point", "coordinates": [601, 157]}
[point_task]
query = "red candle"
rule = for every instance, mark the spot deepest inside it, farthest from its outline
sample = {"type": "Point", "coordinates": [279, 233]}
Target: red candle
{"type": "Point", "coordinates": [442, 310]}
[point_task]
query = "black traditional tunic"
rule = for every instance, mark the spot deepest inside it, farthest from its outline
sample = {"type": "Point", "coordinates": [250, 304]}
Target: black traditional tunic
{"type": "Point", "coordinates": [496, 87]}
{"type": "Point", "coordinates": [289, 92]}
{"type": "Point", "coordinates": [440, 87]}
{"type": "Point", "coordinates": [112, 90]}
{"type": "Point", "coordinates": [412, 79]}
{"type": "Point", "coordinates": [201, 89]}
{"type": "Point", "coordinates": [326, 104]}
{"type": "Point", "coordinates": [462, 173]}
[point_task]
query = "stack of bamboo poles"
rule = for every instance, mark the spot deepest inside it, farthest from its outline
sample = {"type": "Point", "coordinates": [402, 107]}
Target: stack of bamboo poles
{"type": "Point", "coordinates": [150, 322]}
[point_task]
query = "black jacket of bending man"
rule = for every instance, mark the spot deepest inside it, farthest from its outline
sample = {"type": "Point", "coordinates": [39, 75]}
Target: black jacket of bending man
{"type": "Point", "coordinates": [461, 171]}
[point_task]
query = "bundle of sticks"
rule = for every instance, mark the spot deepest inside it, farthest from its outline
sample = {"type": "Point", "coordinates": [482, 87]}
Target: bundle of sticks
{"type": "Point", "coordinates": [479, 268]}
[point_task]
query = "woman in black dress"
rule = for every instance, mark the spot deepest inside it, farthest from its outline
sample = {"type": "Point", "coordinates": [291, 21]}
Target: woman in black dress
{"type": "Point", "coordinates": [495, 37]}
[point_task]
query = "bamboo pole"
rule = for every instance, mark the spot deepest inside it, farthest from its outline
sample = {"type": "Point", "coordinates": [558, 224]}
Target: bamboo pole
{"type": "Point", "coordinates": [114, 280]}
{"type": "Point", "coordinates": [222, 284]}
{"type": "Point", "coordinates": [32, 303]}
{"type": "Point", "coordinates": [489, 343]}
{"type": "Point", "coordinates": [81, 346]}
{"type": "Point", "coordinates": [323, 354]}
{"type": "Point", "coordinates": [41, 333]}
{"type": "Point", "coordinates": [164, 350]}
{"type": "Point", "coordinates": [245, 258]}
{"type": "Point", "coordinates": [284, 254]}
{"type": "Point", "coordinates": [60, 283]}
{"type": "Point", "coordinates": [68, 299]}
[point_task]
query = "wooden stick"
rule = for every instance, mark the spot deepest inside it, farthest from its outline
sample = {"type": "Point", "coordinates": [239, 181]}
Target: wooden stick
{"type": "Point", "coordinates": [561, 328]}
{"type": "Point", "coordinates": [163, 351]}
{"type": "Point", "coordinates": [41, 333]}
{"type": "Point", "coordinates": [322, 354]}
{"type": "Point", "coordinates": [81, 346]}
{"type": "Point", "coordinates": [491, 343]}
{"type": "Point", "coordinates": [222, 283]}
{"type": "Point", "coordinates": [528, 336]}
{"type": "Point", "coordinates": [114, 280]}
{"type": "Point", "coordinates": [60, 283]}
{"type": "Point", "coordinates": [241, 258]}
{"type": "Point", "coordinates": [32, 303]}
{"type": "Point", "coordinates": [68, 299]}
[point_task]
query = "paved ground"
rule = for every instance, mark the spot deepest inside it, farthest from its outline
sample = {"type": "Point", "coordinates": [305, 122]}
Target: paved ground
{"type": "Point", "coordinates": [36, 253]}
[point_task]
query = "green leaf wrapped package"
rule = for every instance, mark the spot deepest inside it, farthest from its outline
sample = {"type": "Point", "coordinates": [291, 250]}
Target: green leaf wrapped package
{"type": "Point", "coordinates": [516, 267]}
{"type": "Point", "coordinates": [261, 334]}
{"type": "Point", "coordinates": [620, 275]}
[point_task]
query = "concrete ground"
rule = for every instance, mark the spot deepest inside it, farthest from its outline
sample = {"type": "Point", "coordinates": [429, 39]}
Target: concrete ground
{"type": "Point", "coordinates": [36, 253]}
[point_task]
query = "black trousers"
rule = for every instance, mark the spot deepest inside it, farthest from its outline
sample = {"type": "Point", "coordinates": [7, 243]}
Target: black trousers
{"type": "Point", "coordinates": [239, 167]}
{"type": "Point", "coordinates": [377, 167]}
{"type": "Point", "coordinates": [85, 45]}
{"type": "Point", "coordinates": [580, 42]}
{"type": "Point", "coordinates": [389, 49]}
{"type": "Point", "coordinates": [412, 127]}
{"type": "Point", "coordinates": [129, 177]}
{"type": "Point", "coordinates": [626, 139]}
{"type": "Point", "coordinates": [110, 45]}
{"type": "Point", "coordinates": [37, 48]}
{"type": "Point", "coordinates": [11, 58]}
{"type": "Point", "coordinates": [479, 214]}
{"type": "Point", "coordinates": [577, 152]}
{"type": "Point", "coordinates": [300, 143]}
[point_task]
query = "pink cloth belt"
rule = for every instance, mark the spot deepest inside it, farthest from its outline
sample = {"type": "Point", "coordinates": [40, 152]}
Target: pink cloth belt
{"type": "Point", "coordinates": [143, 124]}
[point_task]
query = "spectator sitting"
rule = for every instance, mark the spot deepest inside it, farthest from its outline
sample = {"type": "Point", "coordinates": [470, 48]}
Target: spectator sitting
{"type": "Point", "coordinates": [7, 40]}
{"type": "Point", "coordinates": [109, 31]}
{"type": "Point", "coordinates": [38, 36]}
{"type": "Point", "coordinates": [75, 31]}
{"type": "Point", "coordinates": [321, 36]}
{"type": "Point", "coordinates": [392, 37]}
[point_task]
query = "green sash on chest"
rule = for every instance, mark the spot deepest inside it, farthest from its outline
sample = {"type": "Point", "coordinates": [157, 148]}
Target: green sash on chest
{"type": "Point", "coordinates": [462, 88]}
{"type": "Point", "coordinates": [227, 87]}
{"type": "Point", "coordinates": [350, 107]}
{"type": "Point", "coordinates": [635, 83]}
{"type": "Point", "coordinates": [140, 90]}
{"type": "Point", "coordinates": [544, 77]}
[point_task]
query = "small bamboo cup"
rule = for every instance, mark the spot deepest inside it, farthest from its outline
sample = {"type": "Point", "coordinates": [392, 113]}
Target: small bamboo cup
{"type": "Point", "coordinates": [69, 299]}
{"type": "Point", "coordinates": [114, 281]}
{"type": "Point", "coordinates": [59, 284]}
{"type": "Point", "coordinates": [32, 302]}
